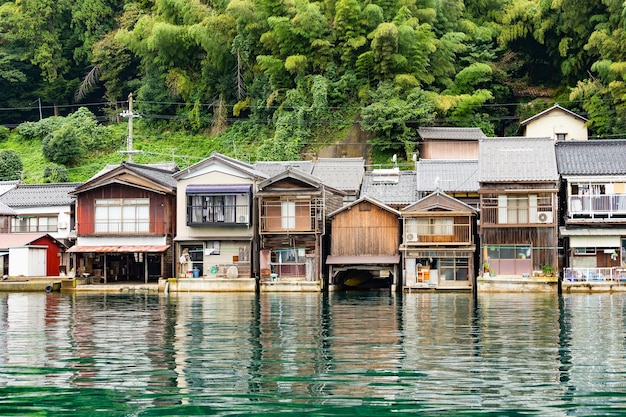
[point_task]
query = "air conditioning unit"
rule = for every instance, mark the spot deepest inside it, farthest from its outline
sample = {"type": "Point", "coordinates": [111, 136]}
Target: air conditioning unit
{"type": "Point", "coordinates": [545, 217]}
{"type": "Point", "coordinates": [411, 237]}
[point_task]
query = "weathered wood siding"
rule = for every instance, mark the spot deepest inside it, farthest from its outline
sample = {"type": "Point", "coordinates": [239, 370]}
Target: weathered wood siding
{"type": "Point", "coordinates": [365, 229]}
{"type": "Point", "coordinates": [162, 208]}
{"type": "Point", "coordinates": [542, 240]}
{"type": "Point", "coordinates": [449, 149]}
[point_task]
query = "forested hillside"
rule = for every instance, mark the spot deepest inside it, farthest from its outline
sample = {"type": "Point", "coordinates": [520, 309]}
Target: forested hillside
{"type": "Point", "coordinates": [271, 79]}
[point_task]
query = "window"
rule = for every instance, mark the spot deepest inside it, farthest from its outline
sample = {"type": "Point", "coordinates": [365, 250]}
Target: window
{"type": "Point", "coordinates": [431, 226]}
{"type": "Point", "coordinates": [288, 214]}
{"type": "Point", "coordinates": [510, 259]}
{"type": "Point", "coordinates": [30, 224]}
{"type": "Point", "coordinates": [218, 205]}
{"type": "Point", "coordinates": [561, 136]}
{"type": "Point", "coordinates": [517, 209]}
{"type": "Point", "coordinates": [122, 215]}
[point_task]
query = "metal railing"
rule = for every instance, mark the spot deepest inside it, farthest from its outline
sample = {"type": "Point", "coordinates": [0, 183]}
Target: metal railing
{"type": "Point", "coordinates": [597, 205]}
{"type": "Point", "coordinates": [594, 275]}
{"type": "Point", "coordinates": [216, 215]}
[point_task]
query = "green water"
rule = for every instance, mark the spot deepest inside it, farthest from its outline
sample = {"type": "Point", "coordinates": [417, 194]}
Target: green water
{"type": "Point", "coordinates": [358, 354]}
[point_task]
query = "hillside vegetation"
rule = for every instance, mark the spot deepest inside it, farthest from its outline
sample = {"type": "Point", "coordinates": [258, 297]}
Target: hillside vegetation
{"type": "Point", "coordinates": [269, 79]}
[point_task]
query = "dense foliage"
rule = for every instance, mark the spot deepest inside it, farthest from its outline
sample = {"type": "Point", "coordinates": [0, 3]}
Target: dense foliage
{"type": "Point", "coordinates": [274, 79]}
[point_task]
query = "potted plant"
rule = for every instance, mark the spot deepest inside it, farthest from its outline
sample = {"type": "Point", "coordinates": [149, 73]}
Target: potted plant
{"type": "Point", "coordinates": [547, 270]}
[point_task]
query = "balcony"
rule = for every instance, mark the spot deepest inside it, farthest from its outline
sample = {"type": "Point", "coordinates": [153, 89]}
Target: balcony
{"type": "Point", "coordinates": [280, 217]}
{"type": "Point", "coordinates": [594, 275]}
{"type": "Point", "coordinates": [438, 233]}
{"type": "Point", "coordinates": [597, 205]}
{"type": "Point", "coordinates": [225, 215]}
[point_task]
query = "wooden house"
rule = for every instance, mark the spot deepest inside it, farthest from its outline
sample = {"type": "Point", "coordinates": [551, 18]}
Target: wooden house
{"type": "Point", "coordinates": [558, 123]}
{"type": "Point", "coordinates": [364, 246]}
{"type": "Point", "coordinates": [216, 223]}
{"type": "Point", "coordinates": [438, 243]}
{"type": "Point", "coordinates": [449, 142]}
{"type": "Point", "coordinates": [125, 218]}
{"type": "Point", "coordinates": [518, 207]}
{"type": "Point", "coordinates": [293, 229]}
{"type": "Point", "coordinates": [593, 199]}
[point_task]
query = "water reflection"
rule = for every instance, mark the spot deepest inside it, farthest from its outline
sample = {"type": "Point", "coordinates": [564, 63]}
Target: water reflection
{"type": "Point", "coordinates": [225, 354]}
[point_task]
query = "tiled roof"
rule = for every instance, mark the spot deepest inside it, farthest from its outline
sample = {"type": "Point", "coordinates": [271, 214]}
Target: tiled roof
{"type": "Point", "coordinates": [549, 110]}
{"type": "Point", "coordinates": [161, 173]}
{"type": "Point", "coordinates": [156, 173]}
{"type": "Point", "coordinates": [39, 195]}
{"type": "Point", "coordinates": [591, 157]}
{"type": "Point", "coordinates": [7, 211]}
{"type": "Point", "coordinates": [7, 185]}
{"type": "Point", "coordinates": [447, 175]}
{"type": "Point", "coordinates": [451, 133]}
{"type": "Point", "coordinates": [344, 174]}
{"type": "Point", "coordinates": [520, 159]}
{"type": "Point", "coordinates": [402, 192]}
{"type": "Point", "coordinates": [272, 168]}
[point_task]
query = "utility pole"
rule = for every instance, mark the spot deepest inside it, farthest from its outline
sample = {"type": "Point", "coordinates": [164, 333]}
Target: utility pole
{"type": "Point", "coordinates": [129, 140]}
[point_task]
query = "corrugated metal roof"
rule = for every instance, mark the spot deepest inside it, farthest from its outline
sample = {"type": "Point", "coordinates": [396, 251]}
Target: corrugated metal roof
{"type": "Point", "coordinates": [520, 159]}
{"type": "Point", "coordinates": [119, 249]}
{"type": "Point", "coordinates": [591, 157]}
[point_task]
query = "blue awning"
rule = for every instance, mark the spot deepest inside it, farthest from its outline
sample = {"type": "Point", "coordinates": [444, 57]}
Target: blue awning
{"type": "Point", "coordinates": [219, 189]}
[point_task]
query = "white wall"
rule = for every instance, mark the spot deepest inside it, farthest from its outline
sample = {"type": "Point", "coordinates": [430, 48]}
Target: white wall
{"type": "Point", "coordinates": [27, 261]}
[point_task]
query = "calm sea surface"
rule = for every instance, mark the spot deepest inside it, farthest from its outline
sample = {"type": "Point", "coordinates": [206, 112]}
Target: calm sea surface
{"type": "Point", "coordinates": [354, 354]}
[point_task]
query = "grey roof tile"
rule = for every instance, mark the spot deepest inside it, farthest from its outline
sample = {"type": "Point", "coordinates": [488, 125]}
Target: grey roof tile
{"type": "Point", "coordinates": [517, 159]}
{"type": "Point", "coordinates": [402, 192]}
{"type": "Point", "coordinates": [272, 168]}
{"type": "Point", "coordinates": [344, 174]}
{"type": "Point", "coordinates": [451, 133]}
{"type": "Point", "coordinates": [447, 175]}
{"type": "Point", "coordinates": [39, 195]}
{"type": "Point", "coordinates": [7, 185]}
{"type": "Point", "coordinates": [7, 211]}
{"type": "Point", "coordinates": [591, 157]}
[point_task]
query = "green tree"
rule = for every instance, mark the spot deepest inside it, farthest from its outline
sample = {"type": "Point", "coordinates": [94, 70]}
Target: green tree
{"type": "Point", "coordinates": [55, 173]}
{"type": "Point", "coordinates": [394, 116]}
{"type": "Point", "coordinates": [11, 167]}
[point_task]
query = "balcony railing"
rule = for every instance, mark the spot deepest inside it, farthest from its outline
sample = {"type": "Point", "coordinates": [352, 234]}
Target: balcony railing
{"type": "Point", "coordinates": [218, 215]}
{"type": "Point", "coordinates": [594, 275]}
{"type": "Point", "coordinates": [437, 233]}
{"type": "Point", "coordinates": [597, 205]}
{"type": "Point", "coordinates": [34, 229]}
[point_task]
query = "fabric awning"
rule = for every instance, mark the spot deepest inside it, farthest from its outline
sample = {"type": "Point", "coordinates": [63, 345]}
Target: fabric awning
{"type": "Point", "coordinates": [219, 189]}
{"type": "Point", "coordinates": [119, 249]}
{"type": "Point", "coordinates": [362, 260]}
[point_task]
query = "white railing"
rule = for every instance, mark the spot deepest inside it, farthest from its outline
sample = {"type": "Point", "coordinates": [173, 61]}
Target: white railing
{"type": "Point", "coordinates": [593, 205]}
{"type": "Point", "coordinates": [594, 275]}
